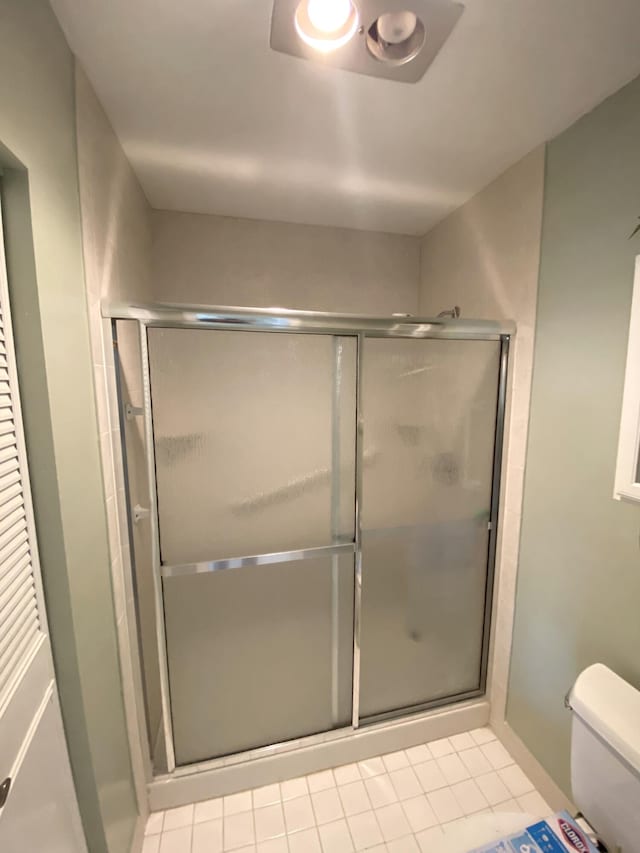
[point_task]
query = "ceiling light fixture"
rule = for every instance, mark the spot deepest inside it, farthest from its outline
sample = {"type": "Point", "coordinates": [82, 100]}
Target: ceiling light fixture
{"type": "Point", "coordinates": [394, 39]}
{"type": "Point", "coordinates": [326, 25]}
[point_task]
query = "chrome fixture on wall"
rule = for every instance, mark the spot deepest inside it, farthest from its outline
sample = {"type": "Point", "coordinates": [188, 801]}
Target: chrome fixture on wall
{"type": "Point", "coordinates": [454, 313]}
{"type": "Point", "coordinates": [396, 39]}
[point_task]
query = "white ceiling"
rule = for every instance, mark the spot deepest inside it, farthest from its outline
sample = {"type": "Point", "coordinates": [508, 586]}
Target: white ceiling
{"type": "Point", "coordinates": [214, 121]}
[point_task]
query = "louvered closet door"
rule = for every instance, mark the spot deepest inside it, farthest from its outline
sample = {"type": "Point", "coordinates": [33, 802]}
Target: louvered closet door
{"type": "Point", "coordinates": [40, 810]}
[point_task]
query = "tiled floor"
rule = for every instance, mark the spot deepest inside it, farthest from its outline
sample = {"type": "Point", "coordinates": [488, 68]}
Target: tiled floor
{"type": "Point", "coordinates": [396, 803]}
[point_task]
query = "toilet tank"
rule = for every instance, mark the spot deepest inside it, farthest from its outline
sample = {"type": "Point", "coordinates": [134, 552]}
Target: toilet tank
{"type": "Point", "coordinates": [605, 756]}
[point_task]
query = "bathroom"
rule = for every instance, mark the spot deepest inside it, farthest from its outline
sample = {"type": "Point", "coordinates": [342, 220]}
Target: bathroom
{"type": "Point", "coordinates": [349, 608]}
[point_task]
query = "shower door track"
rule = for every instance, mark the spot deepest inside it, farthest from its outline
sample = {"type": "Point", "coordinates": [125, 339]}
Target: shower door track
{"type": "Point", "coordinates": [303, 322]}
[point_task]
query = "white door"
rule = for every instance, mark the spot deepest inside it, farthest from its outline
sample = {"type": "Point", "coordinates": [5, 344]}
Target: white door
{"type": "Point", "coordinates": [38, 807]}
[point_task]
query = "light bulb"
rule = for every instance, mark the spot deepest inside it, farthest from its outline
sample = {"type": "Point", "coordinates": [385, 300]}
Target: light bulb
{"type": "Point", "coordinates": [396, 27]}
{"type": "Point", "coordinates": [329, 16]}
{"type": "Point", "coordinates": [326, 25]}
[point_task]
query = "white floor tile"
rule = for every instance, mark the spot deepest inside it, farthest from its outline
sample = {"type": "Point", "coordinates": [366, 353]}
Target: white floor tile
{"type": "Point", "coordinates": [395, 760]}
{"type": "Point", "coordinates": [307, 841]}
{"type": "Point", "coordinates": [405, 783]}
{"type": "Point", "coordinates": [269, 822]}
{"type": "Point", "coordinates": [408, 844]}
{"type": "Point", "coordinates": [154, 823]}
{"type": "Point", "coordinates": [462, 741]}
{"type": "Point", "coordinates": [496, 754]}
{"type": "Point", "coordinates": [402, 802]}
{"type": "Point", "coordinates": [176, 818]}
{"type": "Point", "coordinates": [327, 806]}
{"type": "Point", "coordinates": [431, 840]}
{"type": "Point", "coordinates": [441, 747]}
{"type": "Point", "coordinates": [294, 788]}
{"type": "Point", "coordinates": [380, 790]}
{"type": "Point", "coordinates": [532, 802]}
{"type": "Point", "coordinates": [419, 813]}
{"type": "Point", "coordinates": [207, 837]}
{"type": "Point", "coordinates": [266, 796]}
{"type": "Point", "coordinates": [176, 840]}
{"type": "Point", "coordinates": [418, 754]}
{"type": "Point", "coordinates": [453, 825]}
{"type": "Point", "coordinates": [151, 844]}
{"type": "Point", "coordinates": [393, 822]}
{"type": "Point", "coordinates": [469, 796]}
{"type": "Point", "coordinates": [207, 810]}
{"type": "Point", "coordinates": [371, 767]}
{"type": "Point", "coordinates": [444, 804]}
{"type": "Point", "coordinates": [336, 838]}
{"type": "Point", "coordinates": [321, 781]}
{"type": "Point", "coordinates": [508, 806]}
{"type": "Point", "coordinates": [453, 769]}
{"type": "Point", "coordinates": [484, 735]}
{"type": "Point", "coordinates": [475, 761]}
{"type": "Point", "coordinates": [515, 780]}
{"type": "Point", "coordinates": [354, 798]}
{"type": "Point", "coordinates": [493, 788]}
{"type": "Point", "coordinates": [346, 774]}
{"type": "Point", "coordinates": [273, 845]}
{"type": "Point", "coordinates": [238, 831]}
{"type": "Point", "coordinates": [365, 831]}
{"type": "Point", "coordinates": [237, 803]}
{"type": "Point", "coordinates": [298, 814]}
{"type": "Point", "coordinates": [430, 776]}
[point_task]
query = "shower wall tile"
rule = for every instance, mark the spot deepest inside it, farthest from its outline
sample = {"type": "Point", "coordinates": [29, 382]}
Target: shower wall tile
{"type": "Point", "coordinates": [221, 260]}
{"type": "Point", "coordinates": [485, 258]}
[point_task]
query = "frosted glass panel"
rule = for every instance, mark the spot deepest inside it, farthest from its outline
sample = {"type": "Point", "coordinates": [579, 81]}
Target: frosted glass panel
{"type": "Point", "coordinates": [255, 441]}
{"type": "Point", "coordinates": [429, 411]}
{"type": "Point", "coordinates": [259, 654]}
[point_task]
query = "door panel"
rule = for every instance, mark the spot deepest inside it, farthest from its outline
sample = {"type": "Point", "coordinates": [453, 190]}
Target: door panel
{"type": "Point", "coordinates": [248, 427]}
{"type": "Point", "coordinates": [429, 411]}
{"type": "Point", "coordinates": [251, 654]}
{"type": "Point", "coordinates": [33, 752]}
{"type": "Point", "coordinates": [255, 454]}
{"type": "Point", "coordinates": [40, 813]}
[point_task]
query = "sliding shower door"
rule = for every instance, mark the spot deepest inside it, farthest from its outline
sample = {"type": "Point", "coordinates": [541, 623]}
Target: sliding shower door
{"type": "Point", "coordinates": [429, 414]}
{"type": "Point", "coordinates": [254, 437]}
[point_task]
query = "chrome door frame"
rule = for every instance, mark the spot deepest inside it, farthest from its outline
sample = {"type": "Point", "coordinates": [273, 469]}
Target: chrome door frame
{"type": "Point", "coordinates": [304, 322]}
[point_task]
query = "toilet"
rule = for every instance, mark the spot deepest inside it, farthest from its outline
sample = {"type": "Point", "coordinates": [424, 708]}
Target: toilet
{"type": "Point", "coordinates": [605, 769]}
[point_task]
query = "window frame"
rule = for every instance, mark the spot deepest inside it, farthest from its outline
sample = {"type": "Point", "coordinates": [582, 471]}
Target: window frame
{"type": "Point", "coordinates": [627, 477]}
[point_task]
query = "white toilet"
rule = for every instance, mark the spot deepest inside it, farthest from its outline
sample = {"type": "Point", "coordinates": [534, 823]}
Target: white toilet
{"type": "Point", "coordinates": [605, 769]}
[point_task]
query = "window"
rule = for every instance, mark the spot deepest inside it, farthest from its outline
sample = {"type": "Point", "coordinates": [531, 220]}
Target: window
{"type": "Point", "coordinates": [627, 483]}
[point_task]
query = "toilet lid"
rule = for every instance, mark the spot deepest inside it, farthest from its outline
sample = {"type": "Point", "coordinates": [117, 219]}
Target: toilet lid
{"type": "Point", "coordinates": [482, 829]}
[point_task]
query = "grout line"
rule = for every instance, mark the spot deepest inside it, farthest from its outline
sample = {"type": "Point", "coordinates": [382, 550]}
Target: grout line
{"type": "Point", "coordinates": [336, 787]}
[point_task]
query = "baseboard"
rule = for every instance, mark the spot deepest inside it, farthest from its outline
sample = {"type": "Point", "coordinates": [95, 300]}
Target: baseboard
{"type": "Point", "coordinates": [170, 791]}
{"type": "Point", "coordinates": [554, 795]}
{"type": "Point", "coordinates": [138, 835]}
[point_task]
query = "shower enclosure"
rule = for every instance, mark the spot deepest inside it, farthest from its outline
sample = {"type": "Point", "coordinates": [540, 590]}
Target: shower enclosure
{"type": "Point", "coordinates": [321, 520]}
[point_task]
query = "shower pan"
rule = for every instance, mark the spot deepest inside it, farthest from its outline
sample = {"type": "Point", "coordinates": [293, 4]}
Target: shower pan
{"type": "Point", "coordinates": [318, 547]}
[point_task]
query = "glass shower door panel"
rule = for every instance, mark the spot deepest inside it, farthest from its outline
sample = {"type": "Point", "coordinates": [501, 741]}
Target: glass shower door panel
{"type": "Point", "coordinates": [429, 409]}
{"type": "Point", "coordinates": [259, 654]}
{"type": "Point", "coordinates": [254, 438]}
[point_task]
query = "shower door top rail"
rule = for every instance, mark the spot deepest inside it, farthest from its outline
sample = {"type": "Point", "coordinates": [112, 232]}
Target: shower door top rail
{"type": "Point", "coordinates": [286, 320]}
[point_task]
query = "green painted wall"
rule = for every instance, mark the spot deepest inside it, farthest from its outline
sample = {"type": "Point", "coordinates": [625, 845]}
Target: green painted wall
{"type": "Point", "coordinates": [46, 278]}
{"type": "Point", "coordinates": [578, 596]}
